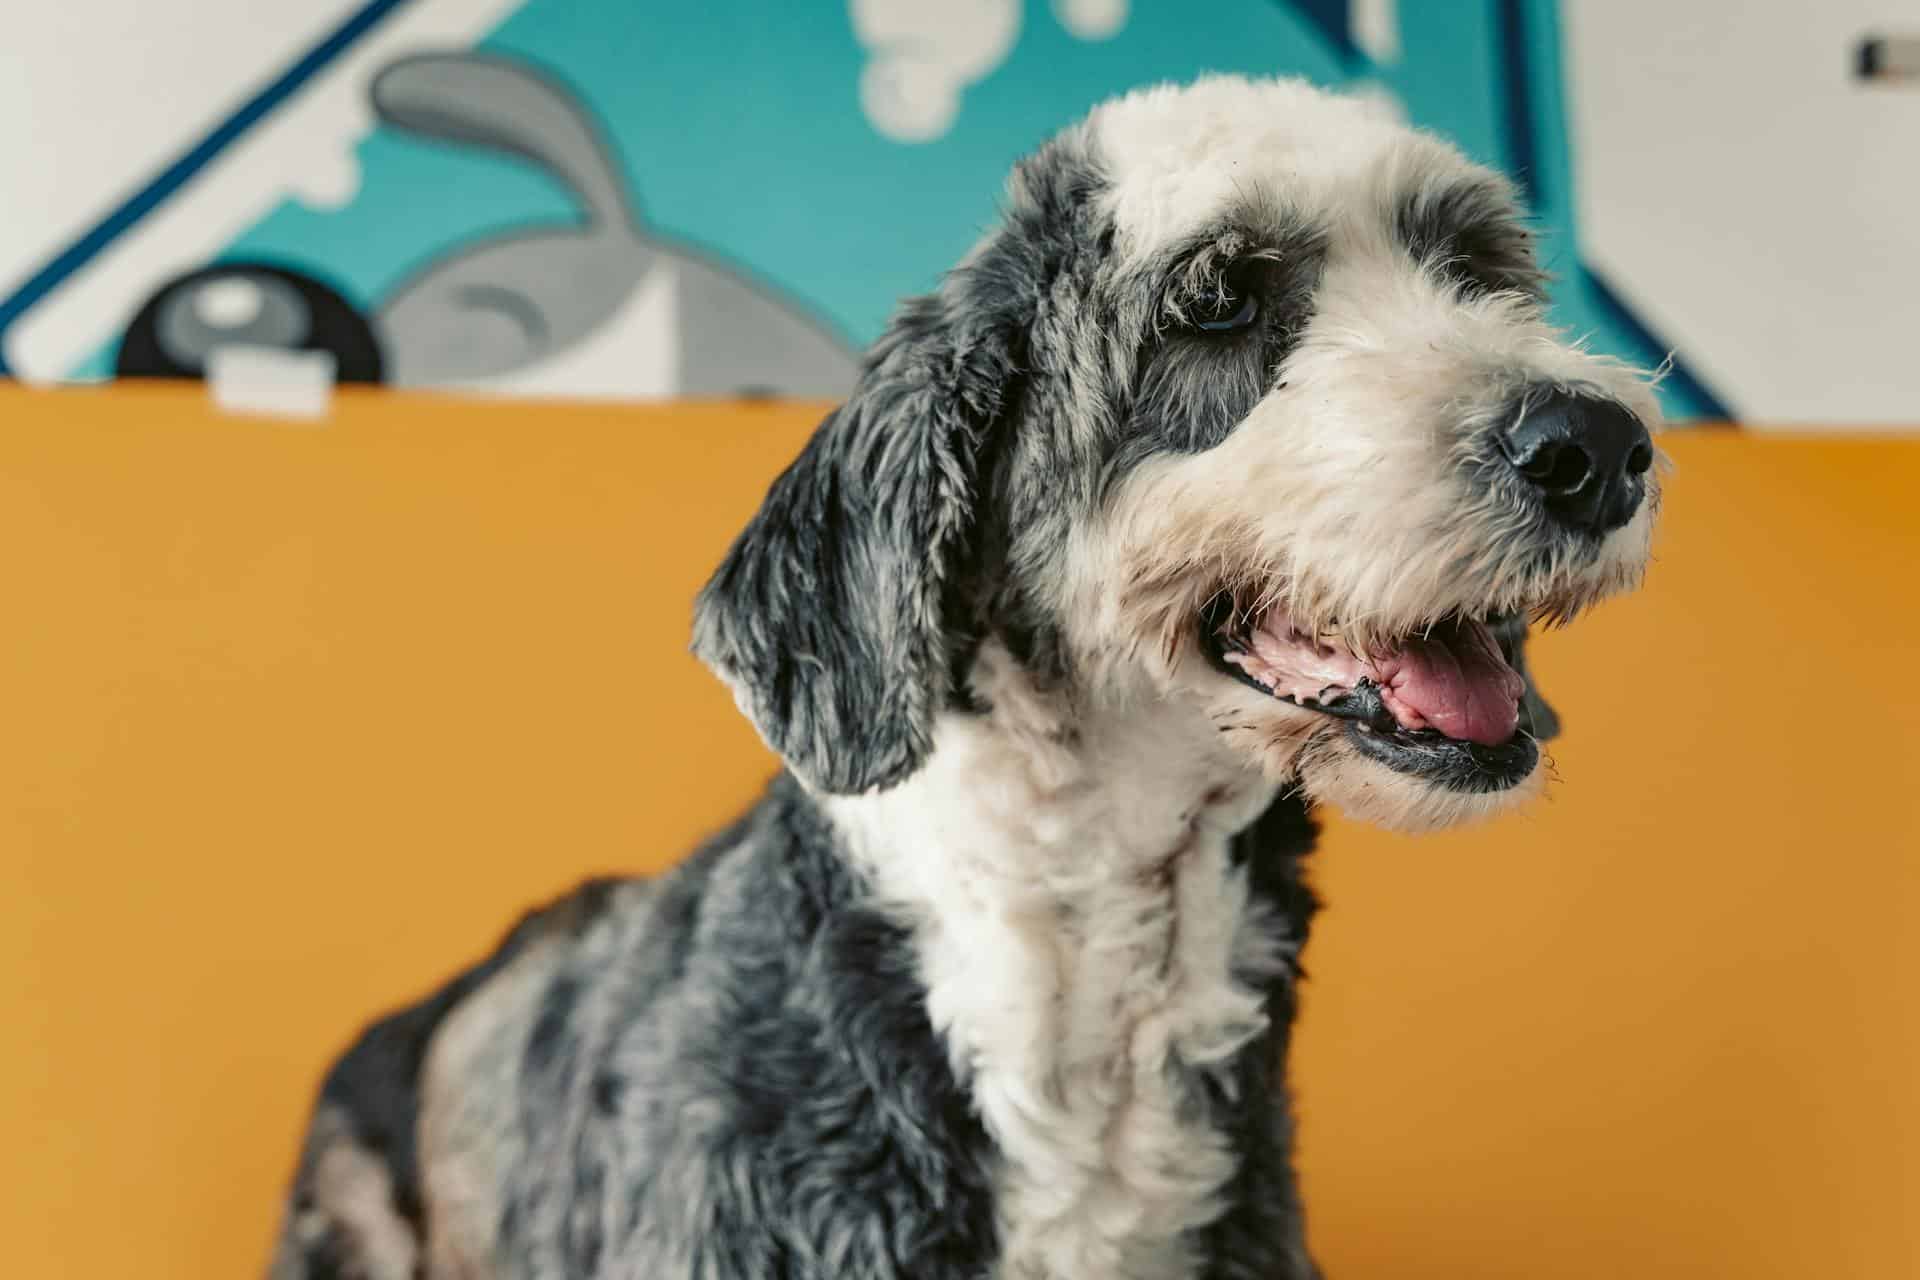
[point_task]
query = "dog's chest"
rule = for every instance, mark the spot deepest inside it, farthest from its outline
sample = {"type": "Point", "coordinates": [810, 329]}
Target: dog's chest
{"type": "Point", "coordinates": [1095, 963]}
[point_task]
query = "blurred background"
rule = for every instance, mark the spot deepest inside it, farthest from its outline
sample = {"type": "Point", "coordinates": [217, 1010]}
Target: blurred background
{"type": "Point", "coordinates": [314, 680]}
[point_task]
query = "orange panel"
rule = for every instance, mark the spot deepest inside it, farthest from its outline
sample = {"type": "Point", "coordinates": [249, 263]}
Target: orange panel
{"type": "Point", "coordinates": [1666, 1024]}
{"type": "Point", "coordinates": [293, 719]}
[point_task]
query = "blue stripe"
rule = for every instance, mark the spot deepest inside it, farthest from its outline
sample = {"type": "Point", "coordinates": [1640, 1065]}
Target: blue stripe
{"type": "Point", "coordinates": [1705, 400]}
{"type": "Point", "coordinates": [182, 170]}
{"type": "Point", "coordinates": [1334, 21]}
{"type": "Point", "coordinates": [1523, 142]}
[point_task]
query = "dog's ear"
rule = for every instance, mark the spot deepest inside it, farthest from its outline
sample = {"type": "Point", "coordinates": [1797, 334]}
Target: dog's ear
{"type": "Point", "coordinates": [830, 617]}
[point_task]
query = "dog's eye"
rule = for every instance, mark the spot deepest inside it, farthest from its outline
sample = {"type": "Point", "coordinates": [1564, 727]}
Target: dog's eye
{"type": "Point", "coordinates": [1224, 309]}
{"type": "Point", "coordinates": [1221, 299]}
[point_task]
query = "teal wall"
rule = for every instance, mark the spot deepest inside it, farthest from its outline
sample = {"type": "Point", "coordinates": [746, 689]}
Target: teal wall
{"type": "Point", "coordinates": [740, 130]}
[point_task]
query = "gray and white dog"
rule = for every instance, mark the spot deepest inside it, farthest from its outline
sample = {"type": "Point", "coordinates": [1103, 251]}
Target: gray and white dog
{"type": "Point", "coordinates": [1220, 479]}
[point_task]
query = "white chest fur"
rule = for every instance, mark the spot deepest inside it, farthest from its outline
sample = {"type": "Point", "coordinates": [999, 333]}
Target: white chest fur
{"type": "Point", "coordinates": [1081, 930]}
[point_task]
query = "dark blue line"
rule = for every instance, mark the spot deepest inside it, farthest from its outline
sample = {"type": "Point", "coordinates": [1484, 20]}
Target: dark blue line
{"type": "Point", "coordinates": [1654, 350]}
{"type": "Point", "coordinates": [1523, 142]}
{"type": "Point", "coordinates": [1334, 20]}
{"type": "Point", "coordinates": [182, 170]}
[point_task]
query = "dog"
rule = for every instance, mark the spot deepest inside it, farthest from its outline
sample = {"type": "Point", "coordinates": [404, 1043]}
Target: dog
{"type": "Point", "coordinates": [1220, 480]}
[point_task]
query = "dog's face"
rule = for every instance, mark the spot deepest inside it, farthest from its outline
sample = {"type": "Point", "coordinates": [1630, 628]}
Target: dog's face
{"type": "Point", "coordinates": [1247, 410]}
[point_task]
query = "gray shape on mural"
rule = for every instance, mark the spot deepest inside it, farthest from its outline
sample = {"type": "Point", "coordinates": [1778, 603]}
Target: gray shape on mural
{"type": "Point", "coordinates": [540, 298]}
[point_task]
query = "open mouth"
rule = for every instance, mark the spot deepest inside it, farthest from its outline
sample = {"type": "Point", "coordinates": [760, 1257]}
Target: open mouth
{"type": "Point", "coordinates": [1443, 702]}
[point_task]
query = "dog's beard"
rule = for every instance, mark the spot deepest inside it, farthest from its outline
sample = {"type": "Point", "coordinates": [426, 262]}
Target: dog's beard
{"type": "Point", "coordinates": [1331, 772]}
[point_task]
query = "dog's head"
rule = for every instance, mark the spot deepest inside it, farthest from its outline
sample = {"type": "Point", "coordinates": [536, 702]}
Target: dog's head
{"type": "Point", "coordinates": [1247, 409]}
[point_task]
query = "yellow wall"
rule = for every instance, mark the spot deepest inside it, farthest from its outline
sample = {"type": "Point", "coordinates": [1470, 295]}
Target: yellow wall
{"type": "Point", "coordinates": [293, 719]}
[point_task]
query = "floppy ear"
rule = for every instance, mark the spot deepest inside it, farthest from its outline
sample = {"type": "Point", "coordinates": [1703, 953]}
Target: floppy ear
{"type": "Point", "coordinates": [830, 616]}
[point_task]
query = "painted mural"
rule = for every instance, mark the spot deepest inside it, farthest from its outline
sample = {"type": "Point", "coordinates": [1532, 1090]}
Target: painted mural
{"type": "Point", "coordinates": [636, 198]}
{"type": "Point", "coordinates": [592, 305]}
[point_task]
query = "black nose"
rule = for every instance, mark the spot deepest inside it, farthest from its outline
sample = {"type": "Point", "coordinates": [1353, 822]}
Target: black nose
{"type": "Point", "coordinates": [1587, 457]}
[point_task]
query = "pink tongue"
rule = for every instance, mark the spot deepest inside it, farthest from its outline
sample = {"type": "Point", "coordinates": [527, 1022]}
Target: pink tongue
{"type": "Point", "coordinates": [1455, 682]}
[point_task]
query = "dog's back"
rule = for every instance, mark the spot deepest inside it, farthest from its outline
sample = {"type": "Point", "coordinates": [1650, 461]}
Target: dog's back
{"type": "Point", "coordinates": [358, 1203]}
{"type": "Point", "coordinates": [722, 1072]}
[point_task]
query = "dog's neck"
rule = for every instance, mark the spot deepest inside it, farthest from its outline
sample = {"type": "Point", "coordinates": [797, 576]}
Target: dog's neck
{"type": "Point", "coordinates": [1088, 947]}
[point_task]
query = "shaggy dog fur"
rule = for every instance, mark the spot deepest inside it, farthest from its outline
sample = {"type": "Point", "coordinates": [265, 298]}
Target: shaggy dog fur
{"type": "Point", "coordinates": [1222, 478]}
